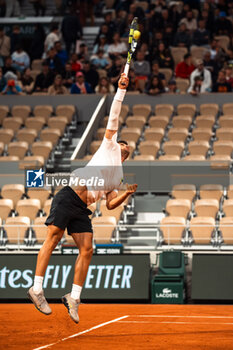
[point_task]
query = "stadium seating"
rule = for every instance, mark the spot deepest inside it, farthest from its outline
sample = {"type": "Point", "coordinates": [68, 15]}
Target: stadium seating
{"type": "Point", "coordinates": [103, 227]}
{"type": "Point", "coordinates": [13, 192]}
{"type": "Point", "coordinates": [178, 207]}
{"type": "Point", "coordinates": [172, 228]}
{"type": "Point", "coordinates": [17, 229]}
{"type": "Point", "coordinates": [201, 228]}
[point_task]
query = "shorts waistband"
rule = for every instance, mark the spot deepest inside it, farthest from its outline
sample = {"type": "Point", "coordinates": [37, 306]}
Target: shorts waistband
{"type": "Point", "coordinates": [76, 196]}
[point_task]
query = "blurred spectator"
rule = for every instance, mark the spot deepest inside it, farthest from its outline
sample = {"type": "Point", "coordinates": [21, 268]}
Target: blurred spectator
{"type": "Point", "coordinates": [221, 55]}
{"type": "Point", "coordinates": [80, 86]}
{"type": "Point", "coordinates": [185, 68]}
{"type": "Point", "coordinates": [189, 21]}
{"type": "Point", "coordinates": [204, 74]}
{"type": "Point", "coordinates": [222, 25]}
{"type": "Point", "coordinates": [16, 38]}
{"type": "Point", "coordinates": [61, 54]}
{"type": "Point", "coordinates": [37, 43]}
{"type": "Point", "coordinates": [12, 8]}
{"type": "Point", "coordinates": [2, 8]}
{"type": "Point", "coordinates": [172, 88]}
{"type": "Point", "coordinates": [117, 47]}
{"type": "Point", "coordinates": [68, 76]}
{"type": "Point", "coordinates": [174, 16]}
{"type": "Point", "coordinates": [8, 66]}
{"type": "Point", "coordinates": [165, 18]}
{"type": "Point", "coordinates": [145, 49]}
{"type": "Point", "coordinates": [120, 22]}
{"type": "Point", "coordinates": [115, 71]}
{"type": "Point", "coordinates": [90, 74]}
{"type": "Point", "coordinates": [76, 65]}
{"type": "Point", "coordinates": [213, 48]}
{"type": "Point", "coordinates": [27, 82]}
{"type": "Point", "coordinates": [12, 88]}
{"type": "Point", "coordinates": [155, 71]}
{"type": "Point", "coordinates": [83, 53]}
{"type": "Point", "coordinates": [221, 84]}
{"type": "Point", "coordinates": [57, 88]}
{"type": "Point", "coordinates": [133, 81]}
{"type": "Point", "coordinates": [182, 37]}
{"type": "Point", "coordinates": [39, 7]}
{"type": "Point", "coordinates": [168, 36]}
{"type": "Point", "coordinates": [141, 66]}
{"type": "Point", "coordinates": [156, 40]}
{"type": "Point", "coordinates": [155, 86]}
{"type": "Point", "coordinates": [71, 30]}
{"type": "Point", "coordinates": [2, 80]}
{"type": "Point", "coordinates": [137, 11]}
{"type": "Point", "coordinates": [44, 79]}
{"type": "Point", "coordinates": [52, 37]}
{"type": "Point", "coordinates": [109, 22]}
{"type": "Point", "coordinates": [20, 59]}
{"type": "Point", "coordinates": [86, 9]}
{"type": "Point", "coordinates": [201, 35]}
{"type": "Point", "coordinates": [101, 44]}
{"type": "Point", "coordinates": [196, 86]}
{"type": "Point", "coordinates": [104, 31]}
{"type": "Point", "coordinates": [5, 46]}
{"type": "Point", "coordinates": [104, 86]}
{"type": "Point", "coordinates": [229, 58]}
{"type": "Point", "coordinates": [208, 17]}
{"type": "Point", "coordinates": [100, 62]}
{"type": "Point", "coordinates": [211, 65]}
{"type": "Point", "coordinates": [54, 62]}
{"type": "Point", "coordinates": [164, 57]}
{"type": "Point", "coordinates": [229, 75]}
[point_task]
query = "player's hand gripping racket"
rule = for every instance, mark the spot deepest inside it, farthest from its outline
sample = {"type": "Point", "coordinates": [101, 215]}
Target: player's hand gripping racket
{"type": "Point", "coordinates": [134, 35]}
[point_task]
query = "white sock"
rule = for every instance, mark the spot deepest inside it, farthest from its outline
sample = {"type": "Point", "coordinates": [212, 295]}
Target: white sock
{"type": "Point", "coordinates": [37, 286]}
{"type": "Point", "coordinates": [76, 291]}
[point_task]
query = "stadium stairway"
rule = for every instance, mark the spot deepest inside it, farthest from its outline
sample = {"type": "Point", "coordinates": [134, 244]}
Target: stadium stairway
{"type": "Point", "coordinates": [148, 211]}
{"type": "Point", "coordinates": [27, 8]}
{"type": "Point", "coordinates": [60, 161]}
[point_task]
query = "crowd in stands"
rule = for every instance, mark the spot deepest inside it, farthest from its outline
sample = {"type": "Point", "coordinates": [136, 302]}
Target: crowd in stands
{"type": "Point", "coordinates": [201, 33]}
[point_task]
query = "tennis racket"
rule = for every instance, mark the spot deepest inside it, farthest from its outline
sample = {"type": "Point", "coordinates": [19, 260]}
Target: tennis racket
{"type": "Point", "coordinates": [132, 44]}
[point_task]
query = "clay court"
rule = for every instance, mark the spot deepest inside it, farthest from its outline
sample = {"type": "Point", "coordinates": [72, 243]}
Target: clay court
{"type": "Point", "coordinates": [118, 327]}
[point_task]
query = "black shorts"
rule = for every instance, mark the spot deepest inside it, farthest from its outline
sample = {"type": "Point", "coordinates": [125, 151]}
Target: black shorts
{"type": "Point", "coordinates": [69, 211]}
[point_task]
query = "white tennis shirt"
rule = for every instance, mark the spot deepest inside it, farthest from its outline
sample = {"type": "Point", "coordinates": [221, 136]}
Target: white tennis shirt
{"type": "Point", "coordinates": [105, 164]}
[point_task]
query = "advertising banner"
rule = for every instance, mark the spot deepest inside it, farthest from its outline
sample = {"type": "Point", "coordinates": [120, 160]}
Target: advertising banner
{"type": "Point", "coordinates": [109, 276]}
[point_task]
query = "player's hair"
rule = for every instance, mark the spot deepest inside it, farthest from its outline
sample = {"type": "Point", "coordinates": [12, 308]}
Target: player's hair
{"type": "Point", "coordinates": [123, 141]}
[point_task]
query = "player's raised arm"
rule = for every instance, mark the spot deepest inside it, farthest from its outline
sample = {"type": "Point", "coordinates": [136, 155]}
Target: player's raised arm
{"type": "Point", "coordinates": [115, 110]}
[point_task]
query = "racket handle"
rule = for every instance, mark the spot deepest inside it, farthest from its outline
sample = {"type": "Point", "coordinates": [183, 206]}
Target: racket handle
{"type": "Point", "coordinates": [126, 70]}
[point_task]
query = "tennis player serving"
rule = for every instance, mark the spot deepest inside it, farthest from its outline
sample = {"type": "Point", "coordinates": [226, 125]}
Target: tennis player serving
{"type": "Point", "coordinates": [69, 210]}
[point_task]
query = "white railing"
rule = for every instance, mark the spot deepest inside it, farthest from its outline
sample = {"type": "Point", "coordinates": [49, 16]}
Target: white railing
{"type": "Point", "coordinates": [148, 236]}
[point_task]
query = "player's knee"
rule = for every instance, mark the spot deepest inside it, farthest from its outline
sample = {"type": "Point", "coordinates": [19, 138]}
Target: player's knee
{"type": "Point", "coordinates": [54, 240]}
{"type": "Point", "coordinates": [87, 252]}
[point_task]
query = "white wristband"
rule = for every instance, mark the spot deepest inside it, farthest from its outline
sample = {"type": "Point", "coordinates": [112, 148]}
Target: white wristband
{"type": "Point", "coordinates": [120, 94]}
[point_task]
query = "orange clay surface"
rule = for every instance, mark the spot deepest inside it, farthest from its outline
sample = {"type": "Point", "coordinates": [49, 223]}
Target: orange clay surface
{"type": "Point", "coordinates": [157, 327]}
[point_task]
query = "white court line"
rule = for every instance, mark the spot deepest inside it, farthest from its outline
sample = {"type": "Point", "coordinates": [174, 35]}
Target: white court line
{"type": "Point", "coordinates": [80, 333]}
{"type": "Point", "coordinates": [224, 323]}
{"type": "Point", "coordinates": [188, 316]}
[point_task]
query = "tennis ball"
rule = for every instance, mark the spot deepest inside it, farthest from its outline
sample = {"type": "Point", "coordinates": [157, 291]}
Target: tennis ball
{"type": "Point", "coordinates": [136, 34]}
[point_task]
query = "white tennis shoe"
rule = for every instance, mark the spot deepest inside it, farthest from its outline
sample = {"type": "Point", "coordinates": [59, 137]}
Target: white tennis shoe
{"type": "Point", "coordinates": [72, 306]}
{"type": "Point", "coordinates": [39, 301]}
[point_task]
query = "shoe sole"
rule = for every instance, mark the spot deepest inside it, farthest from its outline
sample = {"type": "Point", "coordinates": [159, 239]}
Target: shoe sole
{"type": "Point", "coordinates": [64, 301]}
{"type": "Point", "coordinates": [29, 296]}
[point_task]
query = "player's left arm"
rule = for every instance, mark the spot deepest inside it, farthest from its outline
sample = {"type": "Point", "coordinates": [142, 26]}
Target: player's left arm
{"type": "Point", "coordinates": [115, 110]}
{"type": "Point", "coordinates": [113, 200]}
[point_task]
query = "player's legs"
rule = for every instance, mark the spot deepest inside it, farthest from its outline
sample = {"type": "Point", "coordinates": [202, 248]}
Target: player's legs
{"type": "Point", "coordinates": [72, 300]}
{"type": "Point", "coordinates": [84, 243]}
{"type": "Point", "coordinates": [54, 235]}
{"type": "Point", "coordinates": [36, 293]}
